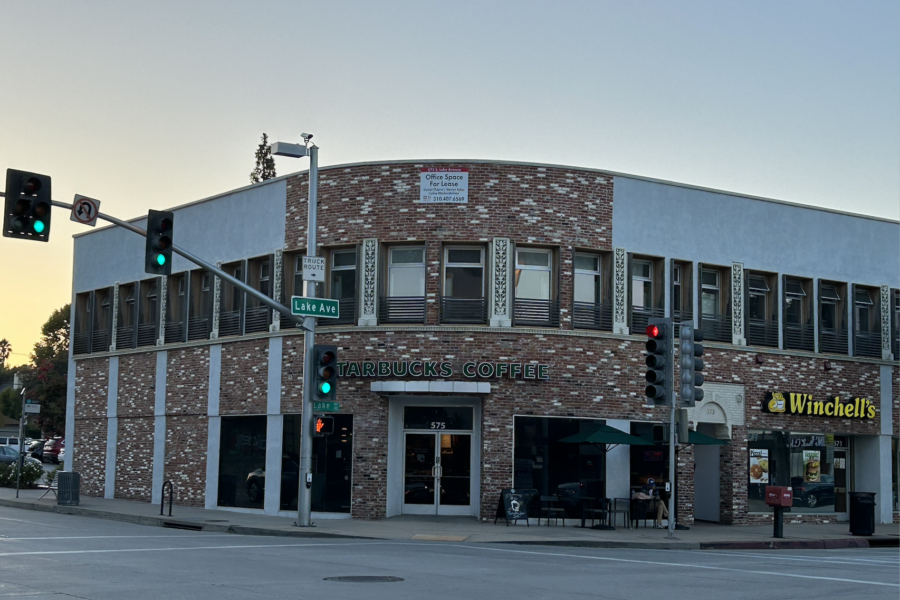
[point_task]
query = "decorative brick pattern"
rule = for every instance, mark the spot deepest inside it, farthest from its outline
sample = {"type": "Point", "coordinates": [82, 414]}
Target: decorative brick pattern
{"type": "Point", "coordinates": [91, 393]}
{"type": "Point", "coordinates": [185, 463]}
{"type": "Point", "coordinates": [187, 381]}
{"type": "Point", "coordinates": [684, 480]}
{"type": "Point", "coordinates": [245, 368]}
{"type": "Point", "coordinates": [292, 375]}
{"type": "Point", "coordinates": [134, 443]}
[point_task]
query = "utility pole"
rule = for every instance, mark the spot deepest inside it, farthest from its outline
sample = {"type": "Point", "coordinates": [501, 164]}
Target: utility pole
{"type": "Point", "coordinates": [20, 460]}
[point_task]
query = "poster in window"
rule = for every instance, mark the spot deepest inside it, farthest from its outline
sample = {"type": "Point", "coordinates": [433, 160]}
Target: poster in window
{"type": "Point", "coordinates": [811, 463]}
{"type": "Point", "coordinates": [759, 466]}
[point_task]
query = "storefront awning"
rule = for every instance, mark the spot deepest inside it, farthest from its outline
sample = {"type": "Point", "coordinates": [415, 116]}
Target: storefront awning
{"type": "Point", "coordinates": [606, 436]}
{"type": "Point", "coordinates": [698, 439]}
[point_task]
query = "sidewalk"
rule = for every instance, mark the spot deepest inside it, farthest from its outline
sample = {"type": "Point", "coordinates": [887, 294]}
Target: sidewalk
{"type": "Point", "coordinates": [458, 529]}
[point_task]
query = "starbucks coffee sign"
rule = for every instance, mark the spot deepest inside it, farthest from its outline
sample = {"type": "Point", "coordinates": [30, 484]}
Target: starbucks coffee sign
{"type": "Point", "coordinates": [804, 404]}
{"type": "Point", "coordinates": [433, 368]}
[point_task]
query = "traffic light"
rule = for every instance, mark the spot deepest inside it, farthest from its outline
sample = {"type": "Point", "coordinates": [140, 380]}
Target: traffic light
{"type": "Point", "coordinates": [690, 352]}
{"type": "Point", "coordinates": [27, 211]}
{"type": "Point", "coordinates": [325, 373]}
{"type": "Point", "coordinates": [324, 425]}
{"type": "Point", "coordinates": [158, 256]}
{"type": "Point", "coordinates": [659, 361]}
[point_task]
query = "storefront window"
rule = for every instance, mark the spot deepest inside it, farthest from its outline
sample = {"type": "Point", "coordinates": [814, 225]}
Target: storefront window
{"type": "Point", "coordinates": [552, 467]}
{"type": "Point", "coordinates": [815, 466]}
{"type": "Point", "coordinates": [648, 461]}
{"type": "Point", "coordinates": [242, 462]}
{"type": "Point", "coordinates": [332, 466]}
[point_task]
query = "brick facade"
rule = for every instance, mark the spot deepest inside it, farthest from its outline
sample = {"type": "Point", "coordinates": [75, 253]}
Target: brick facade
{"type": "Point", "coordinates": [91, 396]}
{"type": "Point", "coordinates": [245, 371]}
{"type": "Point", "coordinates": [187, 399]}
{"type": "Point", "coordinates": [134, 446]}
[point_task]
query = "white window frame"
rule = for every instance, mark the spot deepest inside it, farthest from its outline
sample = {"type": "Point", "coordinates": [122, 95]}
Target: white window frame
{"type": "Point", "coordinates": [548, 269]}
{"type": "Point", "coordinates": [447, 263]}
{"type": "Point", "coordinates": [649, 279]}
{"type": "Point", "coordinates": [391, 266]}
{"type": "Point", "coordinates": [595, 272]}
{"type": "Point", "coordinates": [716, 288]}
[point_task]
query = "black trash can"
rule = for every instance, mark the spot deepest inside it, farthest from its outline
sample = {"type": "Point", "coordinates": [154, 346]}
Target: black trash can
{"type": "Point", "coordinates": [862, 513]}
{"type": "Point", "coordinates": [68, 488]}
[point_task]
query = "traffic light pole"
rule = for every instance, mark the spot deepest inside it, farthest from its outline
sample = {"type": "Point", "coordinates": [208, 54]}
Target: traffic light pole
{"type": "Point", "coordinates": [304, 497]}
{"type": "Point", "coordinates": [670, 534]}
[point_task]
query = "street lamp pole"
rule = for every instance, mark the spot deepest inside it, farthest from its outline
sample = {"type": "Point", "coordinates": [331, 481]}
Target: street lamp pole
{"type": "Point", "coordinates": [304, 495]}
{"type": "Point", "coordinates": [304, 498]}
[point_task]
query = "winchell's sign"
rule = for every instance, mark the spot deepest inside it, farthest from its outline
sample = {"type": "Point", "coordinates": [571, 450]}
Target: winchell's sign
{"type": "Point", "coordinates": [804, 404]}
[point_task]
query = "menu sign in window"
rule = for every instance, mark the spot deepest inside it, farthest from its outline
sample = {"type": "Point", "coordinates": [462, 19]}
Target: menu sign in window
{"type": "Point", "coordinates": [759, 466]}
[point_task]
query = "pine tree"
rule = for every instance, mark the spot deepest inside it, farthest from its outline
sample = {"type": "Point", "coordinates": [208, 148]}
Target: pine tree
{"type": "Point", "coordinates": [265, 164]}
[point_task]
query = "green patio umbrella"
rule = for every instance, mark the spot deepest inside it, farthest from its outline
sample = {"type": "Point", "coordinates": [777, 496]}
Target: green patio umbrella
{"type": "Point", "coordinates": [606, 436]}
{"type": "Point", "coordinates": [699, 439]}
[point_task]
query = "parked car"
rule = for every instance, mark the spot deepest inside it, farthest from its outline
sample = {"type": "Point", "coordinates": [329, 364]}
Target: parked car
{"type": "Point", "coordinates": [52, 449]}
{"type": "Point", "coordinates": [9, 455]}
{"type": "Point", "coordinates": [290, 478]}
{"type": "Point", "coordinates": [9, 441]}
{"type": "Point", "coordinates": [62, 456]}
{"type": "Point", "coordinates": [36, 449]}
{"type": "Point", "coordinates": [813, 494]}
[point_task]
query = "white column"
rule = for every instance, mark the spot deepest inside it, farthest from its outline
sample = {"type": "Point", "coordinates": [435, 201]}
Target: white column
{"type": "Point", "coordinates": [275, 429]}
{"type": "Point", "coordinates": [884, 510]}
{"type": "Point", "coordinates": [738, 336]}
{"type": "Point", "coordinates": [112, 427]}
{"type": "Point", "coordinates": [214, 427]}
{"type": "Point", "coordinates": [618, 464]}
{"type": "Point", "coordinates": [159, 428]}
{"type": "Point", "coordinates": [368, 310]}
{"type": "Point", "coordinates": [500, 288]}
{"type": "Point", "coordinates": [620, 291]}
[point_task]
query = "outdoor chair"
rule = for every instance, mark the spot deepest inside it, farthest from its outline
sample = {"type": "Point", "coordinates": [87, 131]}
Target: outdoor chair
{"type": "Point", "coordinates": [625, 510]}
{"type": "Point", "coordinates": [599, 511]}
{"type": "Point", "coordinates": [640, 510]}
{"type": "Point", "coordinates": [550, 511]}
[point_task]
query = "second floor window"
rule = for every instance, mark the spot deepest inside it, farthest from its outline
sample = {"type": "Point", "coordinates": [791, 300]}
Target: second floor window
{"type": "Point", "coordinates": [343, 274]}
{"type": "Point", "coordinates": [533, 273]}
{"type": "Point", "coordinates": [464, 273]}
{"type": "Point", "coordinates": [406, 271]}
{"type": "Point", "coordinates": [757, 289]}
{"type": "Point", "coordinates": [264, 278]}
{"type": "Point", "coordinates": [793, 300]}
{"type": "Point", "coordinates": [641, 284]}
{"type": "Point", "coordinates": [829, 300]}
{"type": "Point", "coordinates": [676, 288]}
{"type": "Point", "coordinates": [587, 278]}
{"type": "Point", "coordinates": [862, 307]}
{"type": "Point", "coordinates": [710, 293]}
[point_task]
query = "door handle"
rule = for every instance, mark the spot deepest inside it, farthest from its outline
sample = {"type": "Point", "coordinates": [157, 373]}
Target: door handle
{"type": "Point", "coordinates": [440, 471]}
{"type": "Point", "coordinates": [434, 470]}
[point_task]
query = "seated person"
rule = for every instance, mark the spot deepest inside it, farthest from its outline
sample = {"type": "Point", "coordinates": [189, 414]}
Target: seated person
{"type": "Point", "coordinates": [649, 492]}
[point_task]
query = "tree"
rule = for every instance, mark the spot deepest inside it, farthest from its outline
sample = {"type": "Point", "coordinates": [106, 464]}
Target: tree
{"type": "Point", "coordinates": [11, 403]}
{"type": "Point", "coordinates": [5, 351]}
{"type": "Point", "coordinates": [46, 381]}
{"type": "Point", "coordinates": [265, 163]}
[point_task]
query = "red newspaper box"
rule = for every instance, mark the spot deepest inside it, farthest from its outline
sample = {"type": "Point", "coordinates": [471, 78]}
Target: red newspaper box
{"type": "Point", "coordinates": [777, 495]}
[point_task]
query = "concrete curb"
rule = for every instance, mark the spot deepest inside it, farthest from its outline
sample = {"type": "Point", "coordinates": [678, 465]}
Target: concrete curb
{"type": "Point", "coordinates": [214, 526]}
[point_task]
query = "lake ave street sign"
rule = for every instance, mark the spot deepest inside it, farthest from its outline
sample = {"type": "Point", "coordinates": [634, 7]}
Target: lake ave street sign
{"type": "Point", "coordinates": [314, 307]}
{"type": "Point", "coordinates": [326, 406]}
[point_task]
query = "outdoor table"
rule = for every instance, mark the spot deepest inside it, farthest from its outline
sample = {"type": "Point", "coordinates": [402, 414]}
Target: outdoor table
{"type": "Point", "coordinates": [551, 510]}
{"type": "Point", "coordinates": [586, 499]}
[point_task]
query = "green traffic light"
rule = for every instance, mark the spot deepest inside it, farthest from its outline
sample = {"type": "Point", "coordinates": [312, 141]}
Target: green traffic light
{"type": "Point", "coordinates": [39, 226]}
{"type": "Point", "coordinates": [160, 259]}
{"type": "Point", "coordinates": [325, 387]}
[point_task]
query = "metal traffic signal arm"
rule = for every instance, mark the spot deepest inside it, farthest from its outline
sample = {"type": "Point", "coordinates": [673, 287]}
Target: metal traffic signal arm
{"type": "Point", "coordinates": [271, 303]}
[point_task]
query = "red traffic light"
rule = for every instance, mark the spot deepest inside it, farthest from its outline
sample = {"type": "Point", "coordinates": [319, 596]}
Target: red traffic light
{"type": "Point", "coordinates": [652, 331]}
{"type": "Point", "coordinates": [326, 357]}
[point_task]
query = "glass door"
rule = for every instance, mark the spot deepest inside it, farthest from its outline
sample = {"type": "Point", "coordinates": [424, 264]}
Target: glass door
{"type": "Point", "coordinates": [437, 474]}
{"type": "Point", "coordinates": [841, 467]}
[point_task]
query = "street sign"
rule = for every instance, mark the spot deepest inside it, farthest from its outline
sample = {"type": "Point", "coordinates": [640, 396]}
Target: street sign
{"type": "Point", "coordinates": [313, 268]}
{"type": "Point", "coordinates": [85, 210]}
{"type": "Point", "coordinates": [326, 406]}
{"type": "Point", "coordinates": [315, 307]}
{"type": "Point", "coordinates": [32, 409]}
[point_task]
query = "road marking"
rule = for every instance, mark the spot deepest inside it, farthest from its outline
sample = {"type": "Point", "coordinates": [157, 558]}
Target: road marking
{"type": "Point", "coordinates": [113, 537]}
{"type": "Point", "coordinates": [31, 522]}
{"type": "Point", "coordinates": [241, 547]}
{"type": "Point", "coordinates": [831, 559]}
{"type": "Point", "coordinates": [685, 565]}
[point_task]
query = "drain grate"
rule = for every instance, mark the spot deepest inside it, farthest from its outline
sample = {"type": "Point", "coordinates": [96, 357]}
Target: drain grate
{"type": "Point", "coordinates": [365, 579]}
{"type": "Point", "coordinates": [187, 526]}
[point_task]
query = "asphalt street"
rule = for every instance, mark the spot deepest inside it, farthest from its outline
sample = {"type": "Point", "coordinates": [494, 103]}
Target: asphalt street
{"type": "Point", "coordinates": [47, 555]}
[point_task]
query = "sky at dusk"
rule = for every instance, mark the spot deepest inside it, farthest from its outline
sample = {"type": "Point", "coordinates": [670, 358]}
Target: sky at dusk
{"type": "Point", "coordinates": [155, 104]}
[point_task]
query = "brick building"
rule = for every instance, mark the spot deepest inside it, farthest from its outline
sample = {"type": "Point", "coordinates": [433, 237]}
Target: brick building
{"type": "Point", "coordinates": [478, 328]}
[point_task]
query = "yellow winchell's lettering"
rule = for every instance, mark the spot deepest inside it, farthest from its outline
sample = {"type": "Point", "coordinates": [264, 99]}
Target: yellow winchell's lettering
{"type": "Point", "coordinates": [818, 408]}
{"type": "Point", "coordinates": [798, 403]}
{"type": "Point", "coordinates": [871, 411]}
{"type": "Point", "coordinates": [829, 409]}
{"type": "Point", "coordinates": [849, 411]}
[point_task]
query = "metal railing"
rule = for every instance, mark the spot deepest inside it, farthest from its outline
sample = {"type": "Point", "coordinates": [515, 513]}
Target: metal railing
{"type": "Point", "coordinates": [716, 328]}
{"type": "Point", "coordinates": [146, 334]}
{"type": "Point", "coordinates": [174, 332]}
{"type": "Point", "coordinates": [833, 341]}
{"type": "Point", "coordinates": [229, 323]}
{"type": "Point", "coordinates": [537, 313]}
{"type": "Point", "coordinates": [895, 347]}
{"type": "Point", "coordinates": [463, 310]}
{"type": "Point", "coordinates": [402, 309]}
{"type": "Point", "coordinates": [347, 312]}
{"type": "Point", "coordinates": [587, 315]}
{"type": "Point", "coordinates": [81, 343]}
{"type": "Point", "coordinates": [640, 317]}
{"type": "Point", "coordinates": [867, 343]}
{"type": "Point", "coordinates": [761, 332]}
{"type": "Point", "coordinates": [799, 337]}
{"type": "Point", "coordinates": [256, 319]}
{"type": "Point", "coordinates": [198, 328]}
{"type": "Point", "coordinates": [124, 337]}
